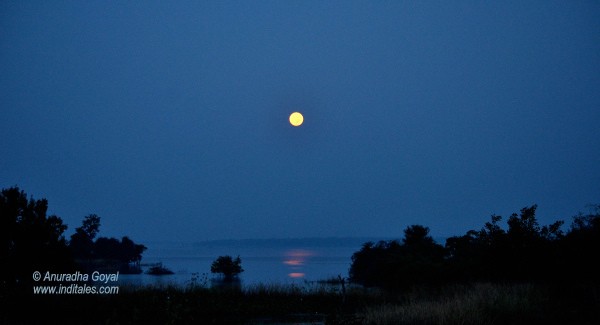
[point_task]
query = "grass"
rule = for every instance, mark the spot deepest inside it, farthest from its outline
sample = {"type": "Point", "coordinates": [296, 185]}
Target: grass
{"type": "Point", "coordinates": [477, 304]}
{"type": "Point", "coordinates": [486, 303]}
{"type": "Point", "coordinates": [480, 303]}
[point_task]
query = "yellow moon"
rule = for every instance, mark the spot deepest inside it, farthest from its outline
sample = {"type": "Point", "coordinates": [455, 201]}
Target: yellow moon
{"type": "Point", "coordinates": [296, 119]}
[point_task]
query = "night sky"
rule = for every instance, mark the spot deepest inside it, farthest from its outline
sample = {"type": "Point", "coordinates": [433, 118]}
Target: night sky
{"type": "Point", "coordinates": [170, 120]}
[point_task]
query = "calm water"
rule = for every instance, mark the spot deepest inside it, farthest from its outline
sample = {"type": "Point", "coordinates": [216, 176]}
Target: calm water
{"type": "Point", "coordinates": [277, 261]}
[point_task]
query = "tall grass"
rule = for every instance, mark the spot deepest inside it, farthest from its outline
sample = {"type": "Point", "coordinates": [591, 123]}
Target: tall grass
{"type": "Point", "coordinates": [481, 303]}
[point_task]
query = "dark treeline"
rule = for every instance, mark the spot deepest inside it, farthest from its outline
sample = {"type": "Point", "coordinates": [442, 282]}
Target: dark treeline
{"type": "Point", "coordinates": [495, 275]}
{"type": "Point", "coordinates": [31, 240]}
{"type": "Point", "coordinates": [124, 254]}
{"type": "Point", "coordinates": [524, 252]}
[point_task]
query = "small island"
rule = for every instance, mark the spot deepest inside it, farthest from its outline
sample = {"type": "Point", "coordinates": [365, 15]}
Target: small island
{"type": "Point", "coordinates": [159, 269]}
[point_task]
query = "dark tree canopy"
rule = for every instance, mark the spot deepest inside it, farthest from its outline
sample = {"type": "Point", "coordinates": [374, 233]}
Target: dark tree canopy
{"type": "Point", "coordinates": [89, 252]}
{"type": "Point", "coordinates": [525, 252]}
{"type": "Point", "coordinates": [391, 264]}
{"type": "Point", "coordinates": [90, 226]}
{"type": "Point", "coordinates": [581, 246]}
{"type": "Point", "coordinates": [82, 241]}
{"type": "Point", "coordinates": [417, 235]}
{"type": "Point", "coordinates": [29, 239]}
{"type": "Point", "coordinates": [227, 266]}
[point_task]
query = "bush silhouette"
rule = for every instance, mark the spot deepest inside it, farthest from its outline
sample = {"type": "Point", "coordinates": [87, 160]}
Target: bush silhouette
{"type": "Point", "coordinates": [227, 266]}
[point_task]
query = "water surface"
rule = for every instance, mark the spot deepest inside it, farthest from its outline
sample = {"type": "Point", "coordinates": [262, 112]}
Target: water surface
{"type": "Point", "coordinates": [268, 261]}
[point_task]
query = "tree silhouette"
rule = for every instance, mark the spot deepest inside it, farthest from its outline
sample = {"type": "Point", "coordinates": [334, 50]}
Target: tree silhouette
{"type": "Point", "coordinates": [124, 252]}
{"type": "Point", "coordinates": [29, 239]}
{"type": "Point", "coordinates": [130, 251]}
{"type": "Point", "coordinates": [82, 241]}
{"type": "Point", "coordinates": [525, 252]}
{"type": "Point", "coordinates": [102, 252]}
{"type": "Point", "coordinates": [417, 235]}
{"type": "Point", "coordinates": [581, 248]}
{"type": "Point", "coordinates": [393, 265]}
{"type": "Point", "coordinates": [227, 266]}
{"type": "Point", "coordinates": [374, 263]}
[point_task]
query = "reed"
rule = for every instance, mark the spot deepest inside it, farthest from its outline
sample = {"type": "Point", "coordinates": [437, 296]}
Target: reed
{"type": "Point", "coordinates": [481, 303]}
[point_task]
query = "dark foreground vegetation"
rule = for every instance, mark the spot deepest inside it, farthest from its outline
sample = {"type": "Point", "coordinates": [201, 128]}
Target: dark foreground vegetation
{"type": "Point", "coordinates": [478, 303]}
{"type": "Point", "coordinates": [31, 240]}
{"type": "Point", "coordinates": [526, 274]}
{"type": "Point", "coordinates": [524, 252]}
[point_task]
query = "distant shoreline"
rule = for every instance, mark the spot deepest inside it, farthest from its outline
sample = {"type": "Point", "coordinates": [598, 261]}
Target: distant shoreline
{"type": "Point", "coordinates": [292, 241]}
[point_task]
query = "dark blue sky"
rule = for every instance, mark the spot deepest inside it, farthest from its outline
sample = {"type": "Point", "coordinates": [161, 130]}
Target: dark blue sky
{"type": "Point", "coordinates": [169, 120]}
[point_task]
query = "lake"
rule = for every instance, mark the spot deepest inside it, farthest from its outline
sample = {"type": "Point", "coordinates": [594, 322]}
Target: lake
{"type": "Point", "coordinates": [265, 261]}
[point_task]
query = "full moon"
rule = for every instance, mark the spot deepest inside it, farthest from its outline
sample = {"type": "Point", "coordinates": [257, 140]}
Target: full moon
{"type": "Point", "coordinates": [296, 119]}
